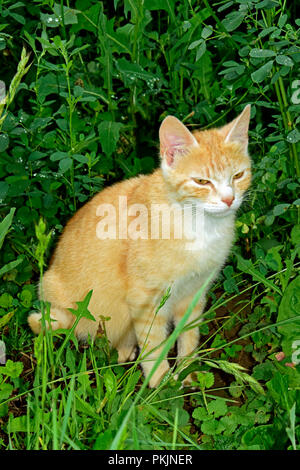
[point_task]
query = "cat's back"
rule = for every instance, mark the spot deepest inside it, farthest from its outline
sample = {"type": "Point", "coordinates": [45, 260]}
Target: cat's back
{"type": "Point", "coordinates": [88, 213]}
{"type": "Point", "coordinates": [79, 245]}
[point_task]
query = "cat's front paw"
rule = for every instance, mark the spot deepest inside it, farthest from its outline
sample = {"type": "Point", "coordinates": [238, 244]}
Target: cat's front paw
{"type": "Point", "coordinates": [126, 355]}
{"type": "Point", "coordinates": [159, 376]}
{"type": "Point", "coordinates": [189, 381]}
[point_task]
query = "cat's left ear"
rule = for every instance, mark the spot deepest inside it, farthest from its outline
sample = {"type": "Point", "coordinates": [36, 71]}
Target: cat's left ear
{"type": "Point", "coordinates": [175, 139]}
{"type": "Point", "coordinates": [237, 130]}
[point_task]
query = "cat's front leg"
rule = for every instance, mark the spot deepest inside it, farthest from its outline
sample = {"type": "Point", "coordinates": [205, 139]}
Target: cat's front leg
{"type": "Point", "coordinates": [188, 341]}
{"type": "Point", "coordinates": [151, 330]}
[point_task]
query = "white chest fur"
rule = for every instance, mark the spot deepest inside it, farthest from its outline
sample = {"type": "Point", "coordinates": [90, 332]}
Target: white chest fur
{"type": "Point", "coordinates": [208, 252]}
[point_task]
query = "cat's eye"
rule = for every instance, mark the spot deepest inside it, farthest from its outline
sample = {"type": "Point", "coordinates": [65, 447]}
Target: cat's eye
{"type": "Point", "coordinates": [201, 181]}
{"type": "Point", "coordinates": [238, 175]}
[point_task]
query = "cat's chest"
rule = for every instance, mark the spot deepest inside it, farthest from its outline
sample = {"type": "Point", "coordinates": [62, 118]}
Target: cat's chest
{"type": "Point", "coordinates": [208, 247]}
{"type": "Point", "coordinates": [202, 256]}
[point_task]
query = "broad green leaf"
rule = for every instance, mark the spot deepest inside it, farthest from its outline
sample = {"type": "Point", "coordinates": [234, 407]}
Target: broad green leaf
{"type": "Point", "coordinates": [134, 71]}
{"type": "Point", "coordinates": [284, 60]}
{"type": "Point", "coordinates": [4, 142]}
{"type": "Point", "coordinates": [225, 6]}
{"type": "Point", "coordinates": [267, 31]}
{"type": "Point", "coordinates": [17, 424]}
{"type": "Point", "coordinates": [247, 267]}
{"type": "Point", "coordinates": [205, 379]}
{"type": "Point", "coordinates": [280, 209]}
{"type": "Point", "coordinates": [233, 20]}
{"type": "Point", "coordinates": [261, 53]}
{"type": "Point", "coordinates": [80, 158]}
{"type": "Point", "coordinates": [4, 186]}
{"type": "Point", "coordinates": [6, 300]}
{"type": "Point", "coordinates": [262, 436]}
{"type": "Point", "coordinates": [36, 155]}
{"type": "Point", "coordinates": [103, 440]}
{"type": "Point", "coordinates": [58, 156]}
{"type": "Point", "coordinates": [2, 40]}
{"type": "Point", "coordinates": [12, 369]}
{"type": "Point", "coordinates": [278, 387]}
{"type": "Point", "coordinates": [65, 164]}
{"type": "Point", "coordinates": [195, 44]}
{"type": "Point", "coordinates": [201, 414]}
{"type": "Point", "coordinates": [273, 258]}
{"type": "Point", "coordinates": [295, 234]}
{"type": "Point", "coordinates": [18, 18]}
{"type": "Point", "coordinates": [50, 20]}
{"type": "Point", "coordinates": [218, 407]}
{"type": "Point", "coordinates": [82, 310]}
{"type": "Point", "coordinates": [200, 51]}
{"type": "Point", "coordinates": [26, 298]}
{"type": "Point", "coordinates": [293, 137]}
{"type": "Point", "coordinates": [212, 427]}
{"type": "Point", "coordinates": [290, 308]}
{"type": "Point", "coordinates": [291, 430]}
{"type": "Point", "coordinates": [167, 5]}
{"type": "Point", "coordinates": [39, 123]}
{"type": "Point", "coordinates": [5, 391]}
{"type": "Point", "coordinates": [6, 319]}
{"type": "Point", "coordinates": [5, 224]}
{"type": "Point", "coordinates": [121, 39]}
{"type": "Point", "coordinates": [259, 75]}
{"type": "Point", "coordinates": [84, 407]}
{"type": "Point", "coordinates": [109, 381]}
{"type": "Point", "coordinates": [229, 424]}
{"type": "Point", "coordinates": [206, 32]}
{"type": "Point", "coordinates": [282, 20]}
{"type": "Point", "coordinates": [204, 74]}
{"type": "Point", "coordinates": [64, 15]}
{"type": "Point", "coordinates": [109, 135]}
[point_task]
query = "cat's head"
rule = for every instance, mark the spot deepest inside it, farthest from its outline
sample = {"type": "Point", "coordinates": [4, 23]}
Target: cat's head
{"type": "Point", "coordinates": [211, 167]}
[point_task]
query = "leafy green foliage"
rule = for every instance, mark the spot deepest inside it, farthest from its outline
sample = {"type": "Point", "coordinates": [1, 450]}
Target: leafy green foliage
{"type": "Point", "coordinates": [8, 373]}
{"type": "Point", "coordinates": [290, 309]}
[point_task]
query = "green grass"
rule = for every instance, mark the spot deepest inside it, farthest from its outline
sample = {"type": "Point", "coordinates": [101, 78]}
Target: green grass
{"type": "Point", "coordinates": [80, 110]}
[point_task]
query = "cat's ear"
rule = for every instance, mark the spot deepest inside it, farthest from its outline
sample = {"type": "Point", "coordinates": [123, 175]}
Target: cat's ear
{"type": "Point", "coordinates": [237, 130]}
{"type": "Point", "coordinates": [175, 139]}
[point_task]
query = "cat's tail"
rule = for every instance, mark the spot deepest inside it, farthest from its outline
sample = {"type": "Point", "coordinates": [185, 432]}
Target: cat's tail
{"type": "Point", "coordinates": [60, 318]}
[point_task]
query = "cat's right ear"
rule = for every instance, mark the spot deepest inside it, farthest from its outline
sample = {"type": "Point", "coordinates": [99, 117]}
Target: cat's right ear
{"type": "Point", "coordinates": [175, 139]}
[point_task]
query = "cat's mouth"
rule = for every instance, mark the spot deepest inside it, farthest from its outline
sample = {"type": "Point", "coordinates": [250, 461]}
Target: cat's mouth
{"type": "Point", "coordinates": [217, 209]}
{"type": "Point", "coordinates": [220, 210]}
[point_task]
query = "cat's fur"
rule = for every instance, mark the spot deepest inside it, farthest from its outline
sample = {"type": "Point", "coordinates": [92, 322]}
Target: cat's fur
{"type": "Point", "coordinates": [129, 277]}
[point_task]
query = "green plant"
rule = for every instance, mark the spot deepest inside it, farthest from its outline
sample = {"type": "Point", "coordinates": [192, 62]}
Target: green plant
{"type": "Point", "coordinates": [8, 382]}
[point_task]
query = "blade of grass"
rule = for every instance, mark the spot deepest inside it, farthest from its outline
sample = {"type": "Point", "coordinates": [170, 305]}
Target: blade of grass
{"type": "Point", "coordinates": [175, 430]}
{"type": "Point", "coordinates": [67, 411]}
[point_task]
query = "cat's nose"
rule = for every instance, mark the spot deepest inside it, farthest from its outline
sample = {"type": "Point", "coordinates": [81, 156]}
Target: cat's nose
{"type": "Point", "coordinates": [228, 200]}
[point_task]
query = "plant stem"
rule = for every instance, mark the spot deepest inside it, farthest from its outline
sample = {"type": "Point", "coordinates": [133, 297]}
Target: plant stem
{"type": "Point", "coordinates": [63, 18]}
{"type": "Point", "coordinates": [71, 110]}
{"type": "Point", "coordinates": [282, 100]}
{"type": "Point", "coordinates": [289, 126]}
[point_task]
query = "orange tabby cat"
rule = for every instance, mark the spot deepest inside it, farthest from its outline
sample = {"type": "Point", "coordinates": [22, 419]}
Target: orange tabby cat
{"type": "Point", "coordinates": [124, 247]}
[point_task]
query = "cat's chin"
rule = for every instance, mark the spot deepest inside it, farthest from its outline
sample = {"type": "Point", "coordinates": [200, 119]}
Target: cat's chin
{"type": "Point", "coordinates": [213, 210]}
{"type": "Point", "coordinates": [219, 211]}
{"type": "Point", "coordinates": [222, 210]}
